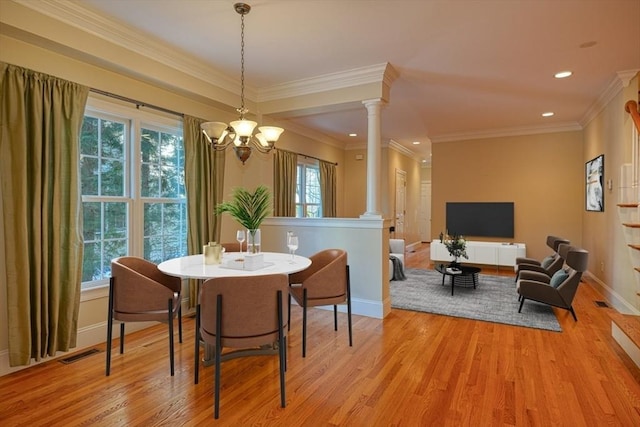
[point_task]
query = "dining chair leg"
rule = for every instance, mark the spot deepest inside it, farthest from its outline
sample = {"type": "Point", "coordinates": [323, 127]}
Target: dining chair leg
{"type": "Point", "coordinates": [281, 352]}
{"type": "Point", "coordinates": [349, 307]}
{"type": "Point", "coordinates": [122, 338]}
{"type": "Point", "coordinates": [304, 323]}
{"type": "Point", "coordinates": [216, 405]}
{"type": "Point", "coordinates": [196, 364]}
{"type": "Point", "coordinates": [180, 322]}
{"type": "Point", "coordinates": [109, 327]}
{"type": "Point", "coordinates": [289, 313]}
{"type": "Point", "coordinates": [335, 317]}
{"type": "Point", "coordinates": [170, 322]}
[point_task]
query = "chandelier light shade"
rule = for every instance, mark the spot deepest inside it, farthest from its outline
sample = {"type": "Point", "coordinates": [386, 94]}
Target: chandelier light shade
{"type": "Point", "coordinates": [239, 134]}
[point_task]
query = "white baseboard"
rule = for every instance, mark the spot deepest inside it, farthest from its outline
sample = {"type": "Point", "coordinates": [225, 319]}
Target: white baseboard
{"type": "Point", "coordinates": [627, 345]}
{"type": "Point", "coordinates": [614, 298]}
{"type": "Point", "coordinates": [87, 337]}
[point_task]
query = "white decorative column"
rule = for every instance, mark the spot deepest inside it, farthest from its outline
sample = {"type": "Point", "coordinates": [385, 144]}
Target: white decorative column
{"type": "Point", "coordinates": [374, 152]}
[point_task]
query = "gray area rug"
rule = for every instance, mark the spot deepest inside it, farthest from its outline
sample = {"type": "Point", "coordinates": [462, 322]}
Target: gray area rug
{"type": "Point", "coordinates": [494, 300]}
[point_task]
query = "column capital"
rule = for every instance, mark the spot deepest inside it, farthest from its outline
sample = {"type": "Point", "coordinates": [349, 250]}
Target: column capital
{"type": "Point", "coordinates": [376, 102]}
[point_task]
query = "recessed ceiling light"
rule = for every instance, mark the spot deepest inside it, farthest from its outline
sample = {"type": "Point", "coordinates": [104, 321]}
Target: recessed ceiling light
{"type": "Point", "coordinates": [548, 114]}
{"type": "Point", "coordinates": [353, 134]}
{"type": "Point", "coordinates": [416, 142]}
{"type": "Point", "coordinates": [562, 74]}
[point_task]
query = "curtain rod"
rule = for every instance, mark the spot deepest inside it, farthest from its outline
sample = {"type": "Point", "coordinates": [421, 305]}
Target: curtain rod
{"type": "Point", "coordinates": [175, 113]}
{"type": "Point", "coordinates": [133, 101]}
{"type": "Point", "coordinates": [308, 157]}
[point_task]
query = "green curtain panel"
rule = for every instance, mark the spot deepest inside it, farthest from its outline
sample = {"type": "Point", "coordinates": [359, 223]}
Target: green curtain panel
{"type": "Point", "coordinates": [285, 164]}
{"type": "Point", "coordinates": [40, 121]}
{"type": "Point", "coordinates": [328, 188]}
{"type": "Point", "coordinates": [204, 182]}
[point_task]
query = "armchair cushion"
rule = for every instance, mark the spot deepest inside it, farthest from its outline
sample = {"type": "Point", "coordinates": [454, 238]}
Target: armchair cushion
{"type": "Point", "coordinates": [547, 261]}
{"type": "Point", "coordinates": [558, 277]}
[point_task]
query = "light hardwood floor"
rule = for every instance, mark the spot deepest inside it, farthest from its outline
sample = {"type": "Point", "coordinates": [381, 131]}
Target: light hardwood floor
{"type": "Point", "coordinates": [410, 369]}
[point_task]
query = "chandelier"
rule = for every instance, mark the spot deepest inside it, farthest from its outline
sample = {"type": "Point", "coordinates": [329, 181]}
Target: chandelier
{"type": "Point", "coordinates": [239, 134]}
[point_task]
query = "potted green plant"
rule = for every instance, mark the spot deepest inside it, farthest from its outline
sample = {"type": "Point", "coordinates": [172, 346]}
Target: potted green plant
{"type": "Point", "coordinates": [249, 209]}
{"type": "Point", "coordinates": [456, 245]}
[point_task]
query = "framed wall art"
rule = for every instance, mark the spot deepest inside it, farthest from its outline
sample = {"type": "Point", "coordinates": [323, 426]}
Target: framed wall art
{"type": "Point", "coordinates": [594, 173]}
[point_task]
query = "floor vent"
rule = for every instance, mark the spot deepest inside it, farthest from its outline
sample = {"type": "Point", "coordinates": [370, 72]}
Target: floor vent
{"type": "Point", "coordinates": [79, 356]}
{"type": "Point", "coordinates": [601, 304]}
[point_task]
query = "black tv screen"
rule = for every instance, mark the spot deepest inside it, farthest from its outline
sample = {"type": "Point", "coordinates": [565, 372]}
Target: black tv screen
{"type": "Point", "coordinates": [480, 219]}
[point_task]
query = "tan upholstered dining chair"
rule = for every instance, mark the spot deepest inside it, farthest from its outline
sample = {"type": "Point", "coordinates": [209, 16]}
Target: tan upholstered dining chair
{"type": "Point", "coordinates": [324, 282]}
{"type": "Point", "coordinates": [139, 292]}
{"type": "Point", "coordinates": [232, 247]}
{"type": "Point", "coordinates": [243, 313]}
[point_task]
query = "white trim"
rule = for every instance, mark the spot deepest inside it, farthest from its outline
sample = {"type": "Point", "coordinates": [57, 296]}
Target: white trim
{"type": "Point", "coordinates": [324, 222]}
{"type": "Point", "coordinates": [517, 131]}
{"type": "Point", "coordinates": [613, 297]}
{"type": "Point", "coordinates": [78, 16]}
{"type": "Point", "coordinates": [326, 82]}
{"type": "Point", "coordinates": [625, 342]}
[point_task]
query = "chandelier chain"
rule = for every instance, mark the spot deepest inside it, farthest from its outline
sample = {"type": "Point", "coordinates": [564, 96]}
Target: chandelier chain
{"type": "Point", "coordinates": [242, 109]}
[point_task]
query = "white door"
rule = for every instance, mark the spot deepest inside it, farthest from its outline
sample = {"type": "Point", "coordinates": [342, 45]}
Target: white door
{"type": "Point", "coordinates": [401, 202]}
{"type": "Point", "coordinates": [425, 211]}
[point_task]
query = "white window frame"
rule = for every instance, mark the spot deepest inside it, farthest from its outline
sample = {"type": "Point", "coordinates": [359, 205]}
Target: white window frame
{"type": "Point", "coordinates": [137, 119]}
{"type": "Point", "coordinates": [301, 179]}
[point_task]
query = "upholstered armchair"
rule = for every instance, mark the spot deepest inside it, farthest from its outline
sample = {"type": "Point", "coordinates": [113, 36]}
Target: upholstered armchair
{"type": "Point", "coordinates": [552, 242]}
{"type": "Point", "coordinates": [547, 266]}
{"type": "Point", "coordinates": [560, 289]}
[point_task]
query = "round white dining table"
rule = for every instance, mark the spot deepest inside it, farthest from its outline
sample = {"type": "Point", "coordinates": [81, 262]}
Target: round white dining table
{"type": "Point", "coordinates": [193, 266]}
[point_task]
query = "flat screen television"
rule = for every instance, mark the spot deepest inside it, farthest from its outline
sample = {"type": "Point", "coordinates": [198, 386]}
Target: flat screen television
{"type": "Point", "coordinates": [480, 219]}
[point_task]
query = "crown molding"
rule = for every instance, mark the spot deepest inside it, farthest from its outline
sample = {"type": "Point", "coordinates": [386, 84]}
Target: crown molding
{"type": "Point", "coordinates": [617, 83]}
{"type": "Point", "coordinates": [390, 144]}
{"type": "Point", "coordinates": [78, 16]}
{"type": "Point", "coordinates": [378, 73]}
{"type": "Point", "coordinates": [310, 133]}
{"type": "Point", "coordinates": [517, 131]}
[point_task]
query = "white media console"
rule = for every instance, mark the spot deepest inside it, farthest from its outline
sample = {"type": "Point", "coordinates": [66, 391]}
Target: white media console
{"type": "Point", "coordinates": [493, 253]}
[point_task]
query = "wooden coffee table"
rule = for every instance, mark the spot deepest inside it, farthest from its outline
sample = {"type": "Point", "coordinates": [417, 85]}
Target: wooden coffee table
{"type": "Point", "coordinates": [463, 276]}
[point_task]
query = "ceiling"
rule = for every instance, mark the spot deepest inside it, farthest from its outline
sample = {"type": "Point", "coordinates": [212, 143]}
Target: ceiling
{"type": "Point", "coordinates": [466, 68]}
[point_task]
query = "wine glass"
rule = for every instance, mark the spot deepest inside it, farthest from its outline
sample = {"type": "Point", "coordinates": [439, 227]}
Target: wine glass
{"type": "Point", "coordinates": [240, 237]}
{"type": "Point", "coordinates": [292, 244]}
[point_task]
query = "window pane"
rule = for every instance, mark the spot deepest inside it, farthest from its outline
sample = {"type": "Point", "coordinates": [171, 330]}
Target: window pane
{"type": "Point", "coordinates": [312, 187]}
{"type": "Point", "coordinates": [112, 178]}
{"type": "Point", "coordinates": [150, 180]}
{"type": "Point", "coordinates": [92, 222]}
{"type": "Point", "coordinates": [165, 231]}
{"type": "Point", "coordinates": [150, 146]}
{"type": "Point", "coordinates": [89, 136]}
{"type": "Point", "coordinates": [91, 262]}
{"type": "Point", "coordinates": [89, 175]}
{"type": "Point", "coordinates": [115, 220]}
{"type": "Point", "coordinates": [112, 137]}
{"type": "Point", "coordinates": [313, 211]}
